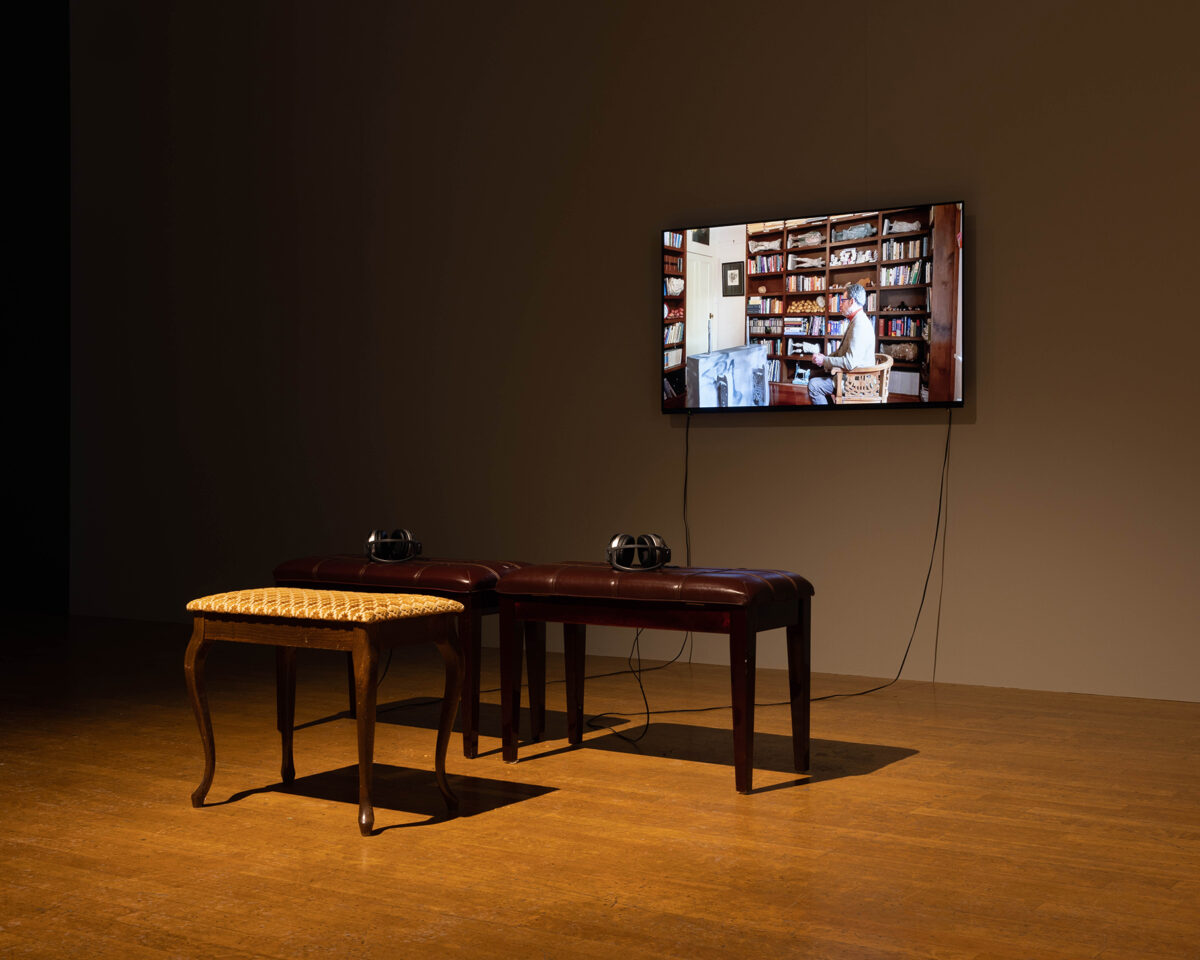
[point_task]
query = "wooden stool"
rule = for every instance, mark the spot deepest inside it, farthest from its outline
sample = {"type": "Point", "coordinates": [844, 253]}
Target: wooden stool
{"type": "Point", "coordinates": [362, 624]}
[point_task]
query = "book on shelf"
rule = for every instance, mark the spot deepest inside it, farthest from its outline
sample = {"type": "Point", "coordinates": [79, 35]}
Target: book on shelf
{"type": "Point", "coordinates": [672, 358]}
{"type": "Point", "coordinates": [765, 264]}
{"type": "Point", "coordinates": [905, 249]}
{"type": "Point", "coordinates": [673, 333]}
{"type": "Point", "coordinates": [765, 325]}
{"type": "Point", "coordinates": [916, 272]}
{"type": "Point", "coordinates": [899, 327]}
{"type": "Point", "coordinates": [764, 305]}
{"type": "Point", "coordinates": [672, 239]}
{"type": "Point", "coordinates": [804, 284]}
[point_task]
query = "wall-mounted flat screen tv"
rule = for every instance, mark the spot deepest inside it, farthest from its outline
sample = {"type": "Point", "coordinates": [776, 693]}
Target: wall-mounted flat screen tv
{"type": "Point", "coordinates": [833, 311]}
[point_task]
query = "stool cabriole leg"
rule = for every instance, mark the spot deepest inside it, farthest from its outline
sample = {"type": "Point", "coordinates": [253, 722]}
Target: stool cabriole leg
{"type": "Point", "coordinates": [799, 654]}
{"type": "Point", "coordinates": [366, 679]}
{"type": "Point", "coordinates": [285, 707]}
{"type": "Point", "coordinates": [535, 671]}
{"type": "Point", "coordinates": [447, 645]}
{"type": "Point", "coordinates": [574, 650]}
{"type": "Point", "coordinates": [193, 670]}
{"type": "Point", "coordinates": [742, 650]}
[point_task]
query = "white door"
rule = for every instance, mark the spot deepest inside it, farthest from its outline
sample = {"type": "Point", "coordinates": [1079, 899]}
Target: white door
{"type": "Point", "coordinates": [701, 304]}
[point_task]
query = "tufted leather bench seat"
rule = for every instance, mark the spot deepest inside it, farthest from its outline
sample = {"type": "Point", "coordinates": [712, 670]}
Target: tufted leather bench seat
{"type": "Point", "coordinates": [362, 624]}
{"type": "Point", "coordinates": [736, 602]}
{"type": "Point", "coordinates": [470, 582]}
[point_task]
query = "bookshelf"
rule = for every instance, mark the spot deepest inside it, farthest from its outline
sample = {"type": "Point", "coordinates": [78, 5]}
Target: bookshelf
{"type": "Point", "coordinates": [674, 317]}
{"type": "Point", "coordinates": [905, 257]}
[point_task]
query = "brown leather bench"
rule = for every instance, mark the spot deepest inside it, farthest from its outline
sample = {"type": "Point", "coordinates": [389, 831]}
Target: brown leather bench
{"type": "Point", "coordinates": [739, 603]}
{"type": "Point", "coordinates": [472, 583]}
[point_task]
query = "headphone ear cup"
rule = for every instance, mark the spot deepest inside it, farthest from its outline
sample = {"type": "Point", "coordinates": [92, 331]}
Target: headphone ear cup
{"type": "Point", "coordinates": [376, 549]}
{"type": "Point", "coordinates": [621, 551]}
{"type": "Point", "coordinates": [405, 547]}
{"type": "Point", "coordinates": [654, 552]}
{"type": "Point", "coordinates": [645, 550]}
{"type": "Point", "coordinates": [399, 548]}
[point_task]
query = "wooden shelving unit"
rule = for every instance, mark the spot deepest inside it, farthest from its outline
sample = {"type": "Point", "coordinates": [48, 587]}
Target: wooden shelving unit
{"type": "Point", "coordinates": [910, 276]}
{"type": "Point", "coordinates": [674, 319]}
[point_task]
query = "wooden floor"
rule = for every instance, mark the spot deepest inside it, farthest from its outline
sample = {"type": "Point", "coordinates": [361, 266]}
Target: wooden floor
{"type": "Point", "coordinates": [938, 821]}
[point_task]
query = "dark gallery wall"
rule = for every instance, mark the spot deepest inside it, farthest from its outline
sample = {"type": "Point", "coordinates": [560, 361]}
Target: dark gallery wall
{"type": "Point", "coordinates": [337, 266]}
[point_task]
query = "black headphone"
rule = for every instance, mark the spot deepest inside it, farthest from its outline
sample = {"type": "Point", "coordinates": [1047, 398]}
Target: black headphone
{"type": "Point", "coordinates": [646, 552]}
{"type": "Point", "coordinates": [399, 546]}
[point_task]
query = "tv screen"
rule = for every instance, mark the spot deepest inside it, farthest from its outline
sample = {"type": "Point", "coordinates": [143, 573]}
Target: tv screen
{"type": "Point", "coordinates": [836, 310]}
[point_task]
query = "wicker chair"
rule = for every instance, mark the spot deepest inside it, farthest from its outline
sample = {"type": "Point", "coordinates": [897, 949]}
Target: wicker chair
{"type": "Point", "coordinates": [864, 384]}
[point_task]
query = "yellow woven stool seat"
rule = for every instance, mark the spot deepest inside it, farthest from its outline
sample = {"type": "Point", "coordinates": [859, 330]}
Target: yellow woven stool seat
{"type": "Point", "coordinates": [339, 606]}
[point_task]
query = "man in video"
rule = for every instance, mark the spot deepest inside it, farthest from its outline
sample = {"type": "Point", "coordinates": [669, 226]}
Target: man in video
{"type": "Point", "coordinates": [857, 348]}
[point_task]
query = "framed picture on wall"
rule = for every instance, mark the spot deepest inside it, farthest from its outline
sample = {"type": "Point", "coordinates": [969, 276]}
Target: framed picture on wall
{"type": "Point", "coordinates": [733, 279]}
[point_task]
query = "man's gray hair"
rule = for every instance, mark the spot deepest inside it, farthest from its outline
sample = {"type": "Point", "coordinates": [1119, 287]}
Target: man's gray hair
{"type": "Point", "coordinates": [856, 293]}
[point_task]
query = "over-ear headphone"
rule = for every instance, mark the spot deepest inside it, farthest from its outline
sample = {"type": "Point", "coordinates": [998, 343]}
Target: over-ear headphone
{"type": "Point", "coordinates": [399, 546]}
{"type": "Point", "coordinates": [646, 552]}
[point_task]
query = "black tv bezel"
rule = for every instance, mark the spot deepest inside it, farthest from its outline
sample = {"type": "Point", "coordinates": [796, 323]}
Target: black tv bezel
{"type": "Point", "coordinates": [773, 408]}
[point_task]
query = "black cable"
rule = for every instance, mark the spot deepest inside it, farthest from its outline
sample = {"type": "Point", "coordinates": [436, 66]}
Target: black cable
{"type": "Point", "coordinates": [386, 667]}
{"type": "Point", "coordinates": [937, 633]}
{"type": "Point", "coordinates": [687, 527]}
{"type": "Point", "coordinates": [932, 553]}
{"type": "Point", "coordinates": [637, 672]}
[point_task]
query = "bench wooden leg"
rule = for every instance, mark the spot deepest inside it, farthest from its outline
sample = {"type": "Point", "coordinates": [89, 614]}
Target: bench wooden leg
{"type": "Point", "coordinates": [193, 669]}
{"type": "Point", "coordinates": [366, 679]}
{"type": "Point", "coordinates": [448, 647]}
{"type": "Point", "coordinates": [742, 657]}
{"type": "Point", "coordinates": [574, 655]}
{"type": "Point", "coordinates": [510, 684]}
{"type": "Point", "coordinates": [470, 626]}
{"type": "Point", "coordinates": [535, 672]}
{"type": "Point", "coordinates": [285, 707]}
{"type": "Point", "coordinates": [799, 654]}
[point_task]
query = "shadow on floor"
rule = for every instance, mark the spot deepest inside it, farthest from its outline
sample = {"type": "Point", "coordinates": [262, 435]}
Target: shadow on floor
{"type": "Point", "coordinates": [831, 759]}
{"type": "Point", "coordinates": [404, 789]}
